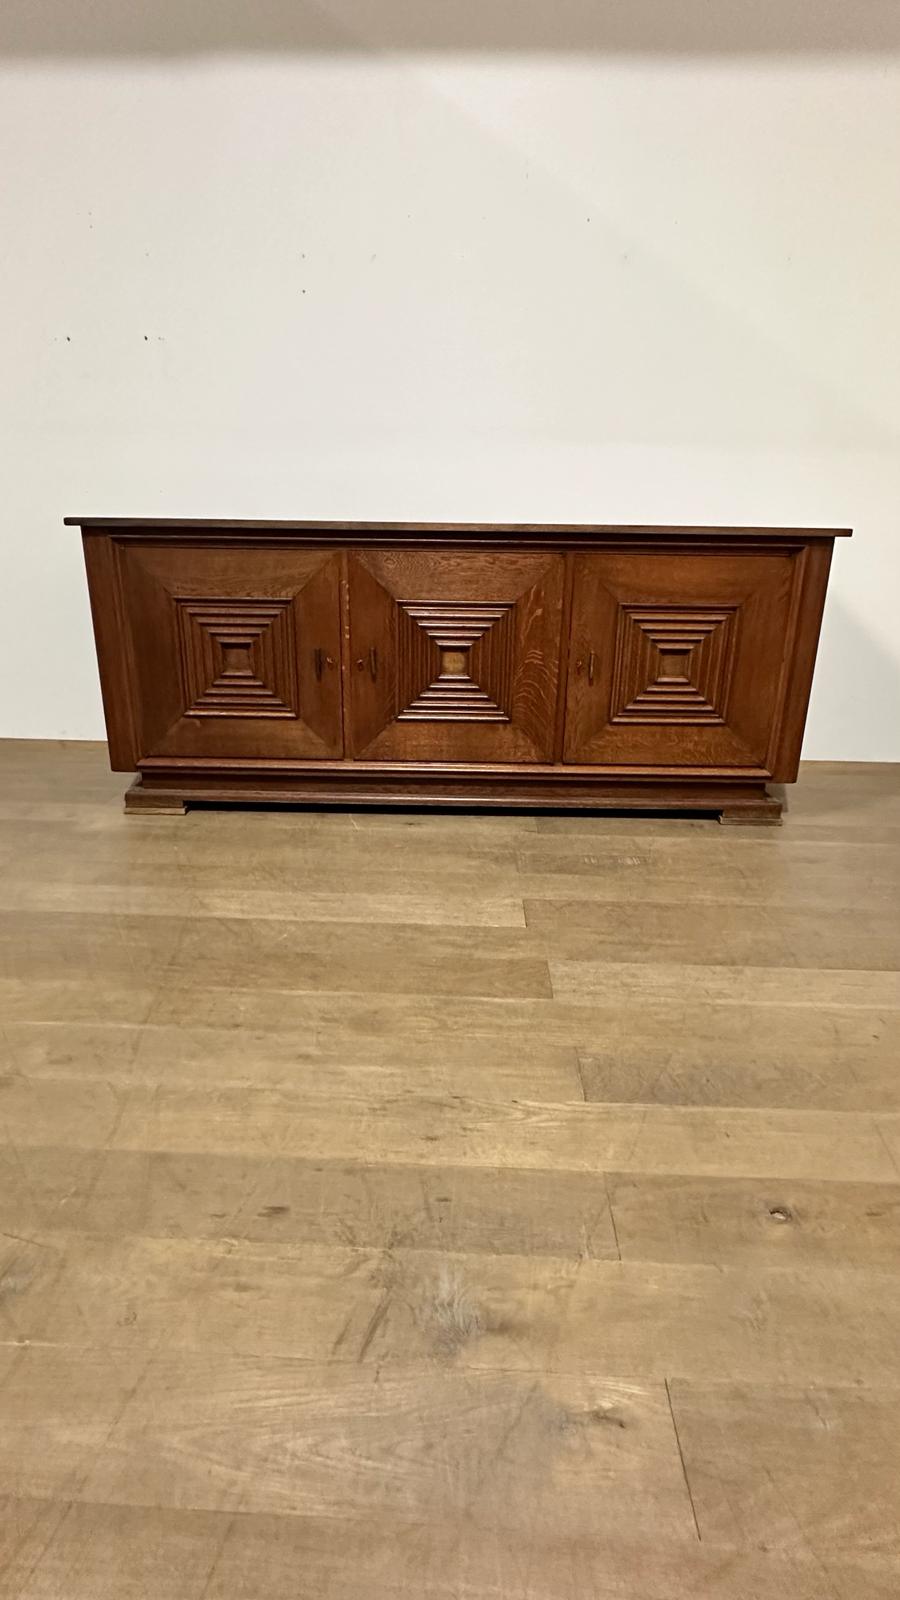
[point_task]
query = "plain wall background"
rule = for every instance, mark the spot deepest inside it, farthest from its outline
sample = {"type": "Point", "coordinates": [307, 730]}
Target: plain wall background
{"type": "Point", "coordinates": [621, 260]}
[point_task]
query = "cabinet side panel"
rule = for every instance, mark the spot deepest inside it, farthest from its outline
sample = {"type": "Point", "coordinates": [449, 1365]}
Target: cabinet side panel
{"type": "Point", "coordinates": [101, 564]}
{"type": "Point", "coordinates": [812, 581]}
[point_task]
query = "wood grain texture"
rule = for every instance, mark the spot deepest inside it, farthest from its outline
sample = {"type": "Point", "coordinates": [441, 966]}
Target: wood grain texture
{"type": "Point", "coordinates": [761, 1069]}
{"type": "Point", "coordinates": [753, 936]}
{"type": "Point", "coordinates": [423, 1310]}
{"type": "Point", "coordinates": [292, 1201]}
{"type": "Point", "coordinates": [453, 658]}
{"type": "Point", "coordinates": [813, 1469]}
{"type": "Point", "coordinates": [446, 1128]}
{"type": "Point", "coordinates": [74, 1552]}
{"type": "Point", "coordinates": [679, 662]}
{"type": "Point", "coordinates": [331, 1440]}
{"type": "Point", "coordinates": [275, 954]}
{"type": "Point", "coordinates": [784, 1222]}
{"type": "Point", "coordinates": [439, 1206]}
{"type": "Point", "coordinates": [424, 665]}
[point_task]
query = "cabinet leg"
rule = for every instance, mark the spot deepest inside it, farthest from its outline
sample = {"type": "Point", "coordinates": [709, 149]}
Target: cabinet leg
{"type": "Point", "coordinates": [756, 812]}
{"type": "Point", "coordinates": [137, 798]}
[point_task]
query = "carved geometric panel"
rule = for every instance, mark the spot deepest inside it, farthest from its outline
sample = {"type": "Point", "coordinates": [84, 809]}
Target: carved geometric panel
{"type": "Point", "coordinates": [673, 665]}
{"type": "Point", "coordinates": [455, 661]}
{"type": "Point", "coordinates": [237, 658]}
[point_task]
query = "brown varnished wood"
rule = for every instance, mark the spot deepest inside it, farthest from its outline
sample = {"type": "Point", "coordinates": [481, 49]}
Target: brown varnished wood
{"type": "Point", "coordinates": [564, 654]}
{"type": "Point", "coordinates": [715, 623]}
{"type": "Point", "coordinates": [146, 800]}
{"type": "Point", "coordinates": [812, 567]}
{"type": "Point", "coordinates": [428, 663]}
{"type": "Point", "coordinates": [734, 802]}
{"type": "Point", "coordinates": [417, 611]}
{"type": "Point", "coordinates": [231, 660]}
{"type": "Point", "coordinates": [101, 559]}
{"type": "Point", "coordinates": [375, 531]}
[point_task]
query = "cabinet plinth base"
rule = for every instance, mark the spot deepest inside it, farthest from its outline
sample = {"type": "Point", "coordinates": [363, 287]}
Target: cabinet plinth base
{"type": "Point", "coordinates": [158, 802]}
{"type": "Point", "coordinates": [735, 802]}
{"type": "Point", "coordinates": [760, 811]}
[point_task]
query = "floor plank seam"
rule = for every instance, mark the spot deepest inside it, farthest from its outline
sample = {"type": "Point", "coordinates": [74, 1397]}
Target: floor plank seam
{"type": "Point", "coordinates": [687, 1482]}
{"type": "Point", "coordinates": [612, 1215]}
{"type": "Point", "coordinates": [884, 1140]}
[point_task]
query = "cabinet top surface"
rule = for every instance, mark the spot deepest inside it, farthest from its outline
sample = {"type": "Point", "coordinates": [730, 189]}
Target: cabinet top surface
{"type": "Point", "coordinates": [457, 530]}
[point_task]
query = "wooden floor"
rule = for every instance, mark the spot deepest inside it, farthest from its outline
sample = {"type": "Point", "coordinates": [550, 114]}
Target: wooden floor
{"type": "Point", "coordinates": [447, 1208]}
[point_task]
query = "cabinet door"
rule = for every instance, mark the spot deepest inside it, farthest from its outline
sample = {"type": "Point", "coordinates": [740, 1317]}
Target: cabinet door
{"type": "Point", "coordinates": [454, 656]}
{"type": "Point", "coordinates": [676, 658]}
{"type": "Point", "coordinates": [235, 653]}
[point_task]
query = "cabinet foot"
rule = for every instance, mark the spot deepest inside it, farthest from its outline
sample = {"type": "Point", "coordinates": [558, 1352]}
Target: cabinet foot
{"type": "Point", "coordinates": [137, 798]}
{"type": "Point", "coordinates": [765, 813]}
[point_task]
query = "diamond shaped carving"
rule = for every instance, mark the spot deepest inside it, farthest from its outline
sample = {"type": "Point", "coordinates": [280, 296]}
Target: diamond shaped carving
{"type": "Point", "coordinates": [237, 657]}
{"type": "Point", "coordinates": [673, 665]}
{"type": "Point", "coordinates": [455, 661]}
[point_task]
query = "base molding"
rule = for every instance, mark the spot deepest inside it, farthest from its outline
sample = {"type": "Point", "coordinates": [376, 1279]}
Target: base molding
{"type": "Point", "coordinates": [735, 802]}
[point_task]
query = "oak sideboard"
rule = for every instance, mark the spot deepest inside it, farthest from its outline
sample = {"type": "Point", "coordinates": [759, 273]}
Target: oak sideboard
{"type": "Point", "coordinates": [456, 664]}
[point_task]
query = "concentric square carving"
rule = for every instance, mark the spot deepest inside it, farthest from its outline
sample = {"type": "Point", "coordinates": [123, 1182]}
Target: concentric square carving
{"type": "Point", "coordinates": [455, 661]}
{"type": "Point", "coordinates": [237, 657]}
{"type": "Point", "coordinates": [673, 665]}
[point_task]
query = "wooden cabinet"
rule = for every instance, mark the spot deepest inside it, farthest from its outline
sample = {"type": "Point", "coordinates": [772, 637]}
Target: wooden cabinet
{"type": "Point", "coordinates": [434, 664]}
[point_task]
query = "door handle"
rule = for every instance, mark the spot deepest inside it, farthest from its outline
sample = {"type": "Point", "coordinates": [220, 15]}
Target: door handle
{"type": "Point", "coordinates": [591, 659]}
{"type": "Point", "coordinates": [319, 662]}
{"type": "Point", "coordinates": [591, 662]}
{"type": "Point", "coordinates": [373, 663]}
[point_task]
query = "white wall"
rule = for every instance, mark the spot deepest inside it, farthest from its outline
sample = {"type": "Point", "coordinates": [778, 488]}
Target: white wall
{"type": "Point", "coordinates": [626, 259]}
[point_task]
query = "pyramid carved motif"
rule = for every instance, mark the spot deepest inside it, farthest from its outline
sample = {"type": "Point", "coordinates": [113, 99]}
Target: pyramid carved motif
{"type": "Point", "coordinates": [673, 665]}
{"type": "Point", "coordinates": [237, 657]}
{"type": "Point", "coordinates": [455, 661]}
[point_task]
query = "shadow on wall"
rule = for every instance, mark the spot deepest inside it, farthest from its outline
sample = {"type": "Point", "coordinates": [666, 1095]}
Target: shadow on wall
{"type": "Point", "coordinates": [716, 27]}
{"type": "Point", "coordinates": [859, 681]}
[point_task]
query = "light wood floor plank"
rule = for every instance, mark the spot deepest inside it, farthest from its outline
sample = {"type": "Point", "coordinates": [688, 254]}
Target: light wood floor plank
{"type": "Point", "coordinates": [807, 1469]}
{"type": "Point", "coordinates": [716, 1068]}
{"type": "Point", "coordinates": [433, 1310]}
{"type": "Point", "coordinates": [669, 1019]}
{"type": "Point", "coordinates": [748, 1222]}
{"type": "Point", "coordinates": [658, 981]}
{"type": "Point", "coordinates": [440, 909]}
{"type": "Point", "coordinates": [346, 1061]}
{"type": "Point", "coordinates": [735, 935]}
{"type": "Point", "coordinates": [95, 1113]}
{"type": "Point", "coordinates": [342, 1441]}
{"type": "Point", "coordinates": [498, 1211]}
{"type": "Point", "coordinates": [271, 955]}
{"type": "Point", "coordinates": [95, 1551]}
{"type": "Point", "coordinates": [864, 882]}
